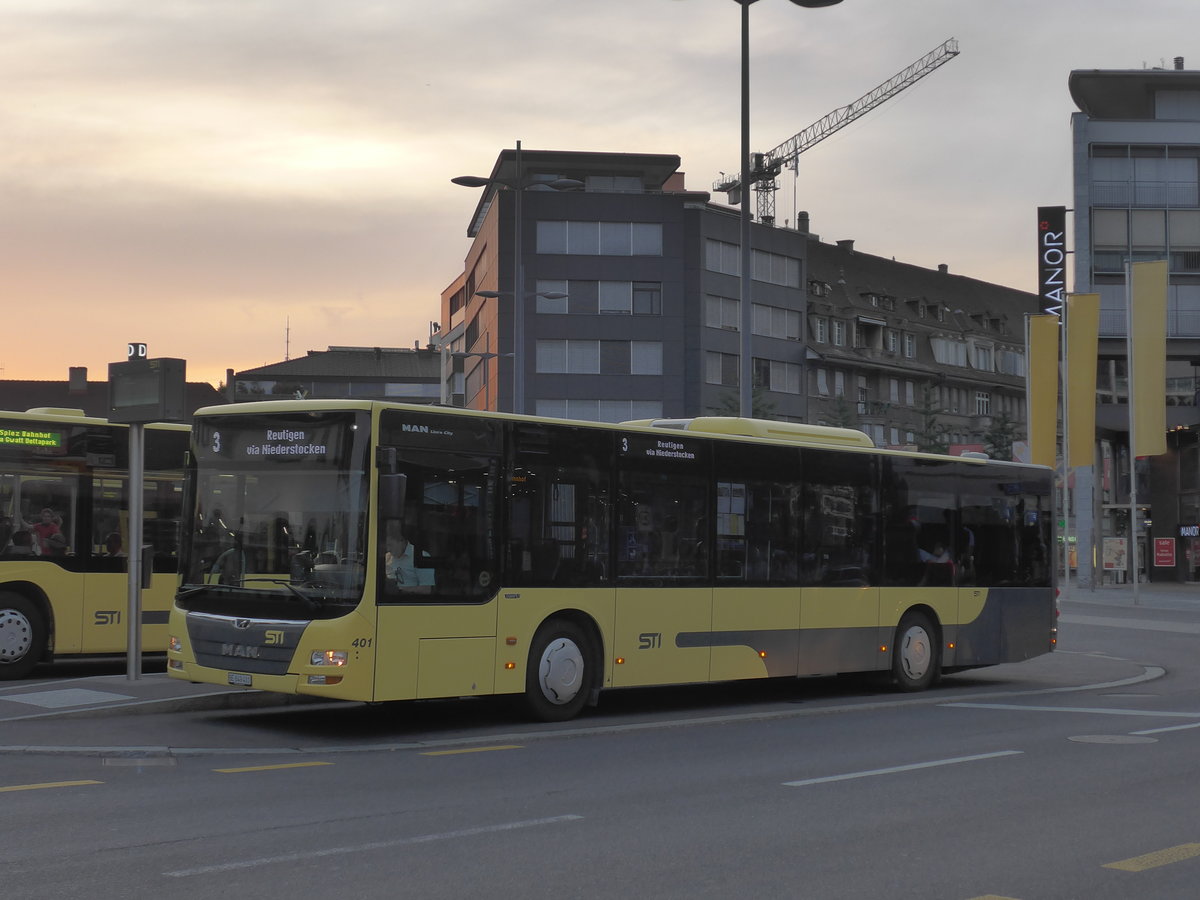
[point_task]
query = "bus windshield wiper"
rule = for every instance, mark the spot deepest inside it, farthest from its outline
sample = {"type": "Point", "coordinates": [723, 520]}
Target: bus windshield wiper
{"type": "Point", "coordinates": [313, 601]}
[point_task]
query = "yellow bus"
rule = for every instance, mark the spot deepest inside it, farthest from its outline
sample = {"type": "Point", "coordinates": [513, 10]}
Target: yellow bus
{"type": "Point", "coordinates": [373, 551]}
{"type": "Point", "coordinates": [64, 525]}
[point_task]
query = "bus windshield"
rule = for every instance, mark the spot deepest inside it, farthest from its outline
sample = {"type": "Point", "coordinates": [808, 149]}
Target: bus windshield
{"type": "Point", "coordinates": [278, 511]}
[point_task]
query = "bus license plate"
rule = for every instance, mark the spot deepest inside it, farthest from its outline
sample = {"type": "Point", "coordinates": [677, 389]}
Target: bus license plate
{"type": "Point", "coordinates": [240, 678]}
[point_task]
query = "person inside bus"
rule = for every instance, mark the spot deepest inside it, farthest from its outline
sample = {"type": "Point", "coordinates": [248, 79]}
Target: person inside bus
{"type": "Point", "coordinates": [112, 545]}
{"type": "Point", "coordinates": [56, 545]}
{"type": "Point", "coordinates": [48, 525]}
{"type": "Point", "coordinates": [939, 567]}
{"type": "Point", "coordinates": [400, 565]}
{"type": "Point", "coordinates": [22, 544]}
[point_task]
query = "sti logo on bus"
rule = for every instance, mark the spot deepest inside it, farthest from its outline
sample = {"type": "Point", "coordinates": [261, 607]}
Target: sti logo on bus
{"type": "Point", "coordinates": [650, 640]}
{"type": "Point", "coordinates": [274, 638]}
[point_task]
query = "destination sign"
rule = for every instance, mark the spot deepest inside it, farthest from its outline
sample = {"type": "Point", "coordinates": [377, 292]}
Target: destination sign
{"type": "Point", "coordinates": [30, 437]}
{"type": "Point", "coordinates": [237, 439]}
{"type": "Point", "coordinates": [663, 449]}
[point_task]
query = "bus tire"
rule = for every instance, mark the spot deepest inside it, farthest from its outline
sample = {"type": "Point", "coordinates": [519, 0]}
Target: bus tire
{"type": "Point", "coordinates": [558, 678]}
{"type": "Point", "coordinates": [22, 635]}
{"type": "Point", "coordinates": [916, 657]}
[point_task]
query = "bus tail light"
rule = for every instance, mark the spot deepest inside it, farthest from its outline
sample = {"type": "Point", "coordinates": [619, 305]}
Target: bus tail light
{"type": "Point", "coordinates": [328, 658]}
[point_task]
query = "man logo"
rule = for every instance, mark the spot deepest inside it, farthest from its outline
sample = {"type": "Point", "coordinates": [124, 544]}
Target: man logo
{"type": "Point", "coordinates": [274, 638]}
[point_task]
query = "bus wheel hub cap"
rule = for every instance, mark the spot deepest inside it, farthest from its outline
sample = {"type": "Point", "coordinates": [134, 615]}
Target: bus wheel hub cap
{"type": "Point", "coordinates": [16, 635]}
{"type": "Point", "coordinates": [561, 671]}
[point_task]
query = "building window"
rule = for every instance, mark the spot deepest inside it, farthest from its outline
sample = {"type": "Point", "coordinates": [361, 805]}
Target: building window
{"type": "Point", "coordinates": [983, 403]}
{"type": "Point", "coordinates": [599, 357]}
{"type": "Point", "coordinates": [600, 238]}
{"type": "Point", "coordinates": [782, 377]}
{"type": "Point", "coordinates": [839, 333]}
{"type": "Point", "coordinates": [910, 346]}
{"type": "Point", "coordinates": [647, 298]}
{"type": "Point", "coordinates": [616, 297]}
{"type": "Point", "coordinates": [722, 257]}
{"type": "Point", "coordinates": [948, 352]}
{"type": "Point", "coordinates": [822, 382]}
{"type": "Point", "coordinates": [892, 338]}
{"type": "Point", "coordinates": [820, 329]}
{"type": "Point", "coordinates": [910, 393]}
{"type": "Point", "coordinates": [722, 312]}
{"type": "Point", "coordinates": [984, 358]}
{"type": "Point", "coordinates": [721, 368]}
{"type": "Point", "coordinates": [894, 390]}
{"type": "Point", "coordinates": [776, 322]}
{"type": "Point", "coordinates": [839, 384]}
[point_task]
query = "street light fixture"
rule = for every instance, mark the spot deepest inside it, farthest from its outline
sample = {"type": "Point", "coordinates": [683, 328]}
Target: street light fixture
{"type": "Point", "coordinates": [746, 393]}
{"type": "Point", "coordinates": [518, 186]}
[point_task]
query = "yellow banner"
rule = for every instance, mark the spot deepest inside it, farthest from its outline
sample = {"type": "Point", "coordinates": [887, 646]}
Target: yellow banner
{"type": "Point", "coordinates": [1083, 337]}
{"type": "Point", "coordinates": [1043, 389]}
{"type": "Point", "coordinates": [1148, 357]}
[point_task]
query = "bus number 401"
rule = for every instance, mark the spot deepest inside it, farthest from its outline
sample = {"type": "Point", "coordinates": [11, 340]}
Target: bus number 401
{"type": "Point", "coordinates": [650, 640]}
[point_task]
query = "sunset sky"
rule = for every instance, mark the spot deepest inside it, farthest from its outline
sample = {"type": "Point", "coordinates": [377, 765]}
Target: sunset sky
{"type": "Point", "coordinates": [208, 175]}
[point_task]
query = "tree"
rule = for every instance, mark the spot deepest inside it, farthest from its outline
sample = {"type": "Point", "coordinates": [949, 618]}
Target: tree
{"type": "Point", "coordinates": [932, 435]}
{"type": "Point", "coordinates": [842, 413]}
{"type": "Point", "coordinates": [730, 404]}
{"type": "Point", "coordinates": [998, 439]}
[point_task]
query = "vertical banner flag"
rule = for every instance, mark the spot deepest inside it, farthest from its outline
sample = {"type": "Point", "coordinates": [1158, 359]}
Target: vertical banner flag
{"type": "Point", "coordinates": [1052, 258]}
{"type": "Point", "coordinates": [1083, 336]}
{"type": "Point", "coordinates": [1042, 351]}
{"type": "Point", "coordinates": [1148, 356]}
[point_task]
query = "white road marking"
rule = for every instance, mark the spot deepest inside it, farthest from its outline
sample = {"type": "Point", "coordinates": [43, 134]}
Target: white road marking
{"type": "Point", "coordinates": [891, 770]}
{"type": "Point", "coordinates": [374, 845]}
{"type": "Point", "coordinates": [1100, 711]}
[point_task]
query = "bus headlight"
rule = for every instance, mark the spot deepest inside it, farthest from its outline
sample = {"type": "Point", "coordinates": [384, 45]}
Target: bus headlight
{"type": "Point", "coordinates": [328, 658]}
{"type": "Point", "coordinates": [174, 643]}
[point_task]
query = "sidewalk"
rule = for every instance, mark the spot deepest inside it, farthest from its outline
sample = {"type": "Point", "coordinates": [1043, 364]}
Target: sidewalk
{"type": "Point", "coordinates": [109, 694]}
{"type": "Point", "coordinates": [1150, 595]}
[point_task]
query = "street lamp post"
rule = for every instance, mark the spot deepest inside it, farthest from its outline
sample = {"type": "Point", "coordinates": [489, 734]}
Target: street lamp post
{"type": "Point", "coordinates": [518, 186]}
{"type": "Point", "coordinates": [745, 392]}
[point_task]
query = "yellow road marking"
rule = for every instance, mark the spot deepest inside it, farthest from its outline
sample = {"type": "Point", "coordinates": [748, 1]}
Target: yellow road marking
{"type": "Point", "coordinates": [302, 765]}
{"type": "Point", "coordinates": [48, 784]}
{"type": "Point", "coordinates": [1157, 858]}
{"type": "Point", "coordinates": [472, 750]}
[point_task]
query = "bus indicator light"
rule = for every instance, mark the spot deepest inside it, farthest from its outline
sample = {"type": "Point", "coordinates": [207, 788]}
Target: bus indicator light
{"type": "Point", "coordinates": [511, 641]}
{"type": "Point", "coordinates": [620, 660]}
{"type": "Point", "coordinates": [883, 648]}
{"type": "Point", "coordinates": [324, 679]}
{"type": "Point", "coordinates": [510, 665]}
{"type": "Point", "coordinates": [762, 654]}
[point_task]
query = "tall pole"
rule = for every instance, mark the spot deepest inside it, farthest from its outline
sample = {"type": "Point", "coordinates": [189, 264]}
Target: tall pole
{"type": "Point", "coordinates": [746, 368]}
{"type": "Point", "coordinates": [1132, 557]}
{"type": "Point", "coordinates": [133, 661]}
{"type": "Point", "coordinates": [518, 299]}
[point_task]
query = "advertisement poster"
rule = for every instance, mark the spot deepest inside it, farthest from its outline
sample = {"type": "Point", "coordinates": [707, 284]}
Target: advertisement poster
{"type": "Point", "coordinates": [1115, 554]}
{"type": "Point", "coordinates": [1164, 552]}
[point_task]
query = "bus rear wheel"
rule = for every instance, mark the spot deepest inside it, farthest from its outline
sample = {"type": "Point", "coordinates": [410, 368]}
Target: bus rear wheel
{"type": "Point", "coordinates": [558, 677]}
{"type": "Point", "coordinates": [22, 636]}
{"type": "Point", "coordinates": [916, 660]}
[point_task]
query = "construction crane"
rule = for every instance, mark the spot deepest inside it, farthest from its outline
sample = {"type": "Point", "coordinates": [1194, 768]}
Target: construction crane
{"type": "Point", "coordinates": [766, 166]}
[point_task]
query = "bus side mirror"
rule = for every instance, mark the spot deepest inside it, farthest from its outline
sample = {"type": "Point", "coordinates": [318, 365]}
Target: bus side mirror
{"type": "Point", "coordinates": [392, 489]}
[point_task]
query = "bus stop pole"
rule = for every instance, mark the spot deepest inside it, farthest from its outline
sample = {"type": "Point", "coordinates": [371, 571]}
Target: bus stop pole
{"type": "Point", "coordinates": [133, 667]}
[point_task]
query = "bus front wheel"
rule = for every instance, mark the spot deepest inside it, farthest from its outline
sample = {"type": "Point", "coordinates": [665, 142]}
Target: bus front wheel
{"type": "Point", "coordinates": [916, 660]}
{"type": "Point", "coordinates": [558, 677]}
{"type": "Point", "coordinates": [22, 635]}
